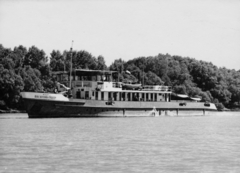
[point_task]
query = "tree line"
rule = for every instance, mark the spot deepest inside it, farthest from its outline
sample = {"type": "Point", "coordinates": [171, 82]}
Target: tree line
{"type": "Point", "coordinates": [29, 69]}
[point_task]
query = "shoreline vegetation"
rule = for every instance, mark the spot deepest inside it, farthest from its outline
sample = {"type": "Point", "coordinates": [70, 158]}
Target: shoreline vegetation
{"type": "Point", "coordinates": [29, 69]}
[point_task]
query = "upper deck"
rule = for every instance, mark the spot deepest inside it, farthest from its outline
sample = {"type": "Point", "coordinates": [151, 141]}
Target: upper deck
{"type": "Point", "coordinates": [104, 81]}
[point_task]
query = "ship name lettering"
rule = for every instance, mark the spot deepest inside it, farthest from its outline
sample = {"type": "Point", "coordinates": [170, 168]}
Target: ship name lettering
{"type": "Point", "coordinates": [45, 97]}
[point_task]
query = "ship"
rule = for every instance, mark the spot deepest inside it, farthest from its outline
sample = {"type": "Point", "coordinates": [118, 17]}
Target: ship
{"type": "Point", "coordinates": [95, 93]}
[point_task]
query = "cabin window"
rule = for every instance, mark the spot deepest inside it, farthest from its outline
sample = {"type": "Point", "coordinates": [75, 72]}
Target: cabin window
{"type": "Point", "coordinates": [98, 77]}
{"type": "Point", "coordinates": [128, 96]}
{"type": "Point", "coordinates": [110, 96]}
{"type": "Point", "coordinates": [123, 96]}
{"type": "Point", "coordinates": [106, 78]}
{"type": "Point", "coordinates": [167, 97]}
{"type": "Point", "coordinates": [151, 96]}
{"type": "Point", "coordinates": [147, 99]}
{"type": "Point", "coordinates": [87, 95]}
{"type": "Point", "coordinates": [143, 96]}
{"type": "Point", "coordinates": [78, 93]}
{"type": "Point", "coordinates": [135, 98]}
{"type": "Point", "coordinates": [84, 78]}
{"type": "Point", "coordinates": [155, 96]}
{"type": "Point", "coordinates": [94, 78]}
{"type": "Point", "coordinates": [93, 93]}
{"type": "Point", "coordinates": [96, 95]}
{"type": "Point", "coordinates": [102, 95]}
{"type": "Point", "coordinates": [115, 96]}
{"type": "Point", "coordinates": [103, 78]}
{"type": "Point", "coordinates": [120, 96]}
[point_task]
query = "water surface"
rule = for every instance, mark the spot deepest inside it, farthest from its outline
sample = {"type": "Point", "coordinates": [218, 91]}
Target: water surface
{"type": "Point", "coordinates": [160, 144]}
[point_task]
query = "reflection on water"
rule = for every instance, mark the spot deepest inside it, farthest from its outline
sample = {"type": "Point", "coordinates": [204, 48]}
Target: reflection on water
{"type": "Point", "coordinates": [162, 144]}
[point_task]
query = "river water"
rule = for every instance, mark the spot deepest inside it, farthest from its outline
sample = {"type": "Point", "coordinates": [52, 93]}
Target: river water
{"type": "Point", "coordinates": [161, 144]}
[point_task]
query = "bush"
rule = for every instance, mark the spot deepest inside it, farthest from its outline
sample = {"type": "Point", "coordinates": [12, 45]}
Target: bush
{"type": "Point", "coordinates": [3, 105]}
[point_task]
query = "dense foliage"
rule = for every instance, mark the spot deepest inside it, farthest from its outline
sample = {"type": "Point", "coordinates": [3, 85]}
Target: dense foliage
{"type": "Point", "coordinates": [23, 69]}
{"type": "Point", "coordinates": [186, 76]}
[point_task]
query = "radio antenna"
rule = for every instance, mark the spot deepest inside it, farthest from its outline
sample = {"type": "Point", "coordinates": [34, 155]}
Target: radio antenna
{"type": "Point", "coordinates": [70, 80]}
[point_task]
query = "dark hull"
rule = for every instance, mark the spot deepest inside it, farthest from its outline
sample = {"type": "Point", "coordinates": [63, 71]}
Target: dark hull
{"type": "Point", "coordinates": [95, 108]}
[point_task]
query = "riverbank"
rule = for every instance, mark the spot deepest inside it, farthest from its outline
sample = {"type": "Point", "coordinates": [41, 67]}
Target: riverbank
{"type": "Point", "coordinates": [11, 111]}
{"type": "Point", "coordinates": [236, 109]}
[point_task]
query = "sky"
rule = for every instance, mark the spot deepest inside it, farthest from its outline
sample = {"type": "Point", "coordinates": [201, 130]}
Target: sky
{"type": "Point", "coordinates": [207, 30]}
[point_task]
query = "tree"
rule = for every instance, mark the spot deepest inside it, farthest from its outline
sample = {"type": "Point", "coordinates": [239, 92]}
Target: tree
{"type": "Point", "coordinates": [10, 86]}
{"type": "Point", "coordinates": [84, 60]}
{"type": "Point", "coordinates": [31, 78]}
{"type": "Point", "coordinates": [20, 53]}
{"type": "Point", "coordinates": [57, 61]}
{"type": "Point", "coordinates": [118, 65]}
{"type": "Point", "coordinates": [29, 70]}
{"type": "Point", "coordinates": [101, 65]}
{"type": "Point", "coordinates": [35, 58]}
{"type": "Point", "coordinates": [153, 79]}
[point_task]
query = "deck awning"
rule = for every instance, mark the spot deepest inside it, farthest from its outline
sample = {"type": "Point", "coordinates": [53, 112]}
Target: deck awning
{"type": "Point", "coordinates": [181, 95]}
{"type": "Point", "coordinates": [196, 99]}
{"type": "Point", "coordinates": [186, 97]}
{"type": "Point", "coordinates": [85, 72]}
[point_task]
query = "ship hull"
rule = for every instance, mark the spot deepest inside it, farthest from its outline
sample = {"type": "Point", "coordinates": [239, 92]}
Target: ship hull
{"type": "Point", "coordinates": [51, 106]}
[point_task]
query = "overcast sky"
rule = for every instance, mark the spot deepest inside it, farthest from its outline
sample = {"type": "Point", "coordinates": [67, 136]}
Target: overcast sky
{"type": "Point", "coordinates": [207, 30]}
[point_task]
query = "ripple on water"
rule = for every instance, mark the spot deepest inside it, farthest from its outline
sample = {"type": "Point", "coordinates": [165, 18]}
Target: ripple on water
{"type": "Point", "coordinates": [164, 144]}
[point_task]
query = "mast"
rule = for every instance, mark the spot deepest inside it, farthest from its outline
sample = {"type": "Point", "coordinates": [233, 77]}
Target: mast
{"type": "Point", "coordinates": [64, 59]}
{"type": "Point", "coordinates": [118, 74]}
{"type": "Point", "coordinates": [70, 80]}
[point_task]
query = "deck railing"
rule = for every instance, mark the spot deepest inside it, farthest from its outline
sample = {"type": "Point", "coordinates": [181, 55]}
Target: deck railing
{"type": "Point", "coordinates": [116, 85]}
